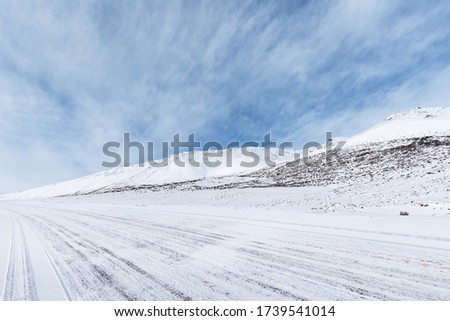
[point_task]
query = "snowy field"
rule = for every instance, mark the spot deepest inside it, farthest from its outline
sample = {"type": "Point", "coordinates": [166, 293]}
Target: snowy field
{"type": "Point", "coordinates": [218, 245]}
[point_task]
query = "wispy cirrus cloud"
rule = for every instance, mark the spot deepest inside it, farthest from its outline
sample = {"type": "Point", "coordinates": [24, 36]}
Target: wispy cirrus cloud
{"type": "Point", "coordinates": [75, 75]}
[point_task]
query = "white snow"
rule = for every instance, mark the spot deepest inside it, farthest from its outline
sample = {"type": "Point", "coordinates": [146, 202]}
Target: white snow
{"type": "Point", "coordinates": [343, 240]}
{"type": "Point", "coordinates": [419, 122]}
{"type": "Point", "coordinates": [116, 248]}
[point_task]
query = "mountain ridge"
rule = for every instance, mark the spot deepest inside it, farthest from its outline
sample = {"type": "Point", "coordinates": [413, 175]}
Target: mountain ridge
{"type": "Point", "coordinates": [413, 138]}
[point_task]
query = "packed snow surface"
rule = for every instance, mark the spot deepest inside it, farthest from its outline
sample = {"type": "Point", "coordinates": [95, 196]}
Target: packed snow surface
{"type": "Point", "coordinates": [115, 248]}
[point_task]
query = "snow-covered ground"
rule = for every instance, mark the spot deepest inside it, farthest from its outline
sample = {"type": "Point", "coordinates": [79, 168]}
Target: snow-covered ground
{"type": "Point", "coordinates": [418, 122]}
{"type": "Point", "coordinates": [117, 248]}
{"type": "Point", "coordinates": [293, 231]}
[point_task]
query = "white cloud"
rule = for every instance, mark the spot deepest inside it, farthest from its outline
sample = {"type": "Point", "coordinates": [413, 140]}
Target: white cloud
{"type": "Point", "coordinates": [75, 75]}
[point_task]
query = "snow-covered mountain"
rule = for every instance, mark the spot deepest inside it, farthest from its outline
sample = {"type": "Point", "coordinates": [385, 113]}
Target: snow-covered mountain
{"type": "Point", "coordinates": [146, 174]}
{"type": "Point", "coordinates": [404, 161]}
{"type": "Point", "coordinates": [415, 123]}
{"type": "Point", "coordinates": [404, 145]}
{"type": "Point", "coordinates": [411, 147]}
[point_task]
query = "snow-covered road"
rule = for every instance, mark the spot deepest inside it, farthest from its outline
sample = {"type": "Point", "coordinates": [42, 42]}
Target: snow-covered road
{"type": "Point", "coordinates": [76, 251]}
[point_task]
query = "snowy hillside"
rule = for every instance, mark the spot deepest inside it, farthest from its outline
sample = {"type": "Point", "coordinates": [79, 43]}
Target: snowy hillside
{"type": "Point", "coordinates": [405, 145]}
{"type": "Point", "coordinates": [411, 147]}
{"type": "Point", "coordinates": [136, 175]}
{"type": "Point", "coordinates": [418, 122]}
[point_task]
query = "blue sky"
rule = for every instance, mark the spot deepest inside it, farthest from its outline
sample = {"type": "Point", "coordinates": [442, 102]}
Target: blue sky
{"type": "Point", "coordinates": [74, 75]}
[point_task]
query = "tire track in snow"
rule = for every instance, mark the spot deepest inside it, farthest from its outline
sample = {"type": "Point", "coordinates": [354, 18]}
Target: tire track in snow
{"type": "Point", "coordinates": [5, 245]}
{"type": "Point", "coordinates": [234, 259]}
{"type": "Point", "coordinates": [19, 285]}
{"type": "Point", "coordinates": [342, 278]}
{"type": "Point", "coordinates": [42, 272]}
{"type": "Point", "coordinates": [80, 247]}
